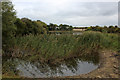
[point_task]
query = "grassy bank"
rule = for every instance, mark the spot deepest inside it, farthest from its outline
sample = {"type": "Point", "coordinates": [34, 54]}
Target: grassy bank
{"type": "Point", "coordinates": [50, 47]}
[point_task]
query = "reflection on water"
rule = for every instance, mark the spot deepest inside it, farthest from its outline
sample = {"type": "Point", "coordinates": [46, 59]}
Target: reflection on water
{"type": "Point", "coordinates": [58, 33]}
{"type": "Point", "coordinates": [77, 33]}
{"type": "Point", "coordinates": [67, 68]}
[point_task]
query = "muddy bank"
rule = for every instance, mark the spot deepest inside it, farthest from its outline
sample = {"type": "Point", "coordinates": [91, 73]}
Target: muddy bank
{"type": "Point", "coordinates": [108, 67]}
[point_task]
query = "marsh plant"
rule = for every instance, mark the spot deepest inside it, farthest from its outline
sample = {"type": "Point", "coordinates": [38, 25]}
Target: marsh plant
{"type": "Point", "coordinates": [51, 47]}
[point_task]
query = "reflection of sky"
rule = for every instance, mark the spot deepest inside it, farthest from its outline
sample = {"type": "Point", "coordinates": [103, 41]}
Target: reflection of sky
{"type": "Point", "coordinates": [84, 67]}
{"type": "Point", "coordinates": [29, 70]}
{"type": "Point", "coordinates": [71, 12]}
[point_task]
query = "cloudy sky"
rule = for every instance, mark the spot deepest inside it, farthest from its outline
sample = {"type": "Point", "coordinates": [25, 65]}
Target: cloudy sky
{"type": "Point", "coordinates": [72, 12]}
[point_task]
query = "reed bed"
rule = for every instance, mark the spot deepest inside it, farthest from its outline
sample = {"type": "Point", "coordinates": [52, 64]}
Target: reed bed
{"type": "Point", "coordinates": [51, 47]}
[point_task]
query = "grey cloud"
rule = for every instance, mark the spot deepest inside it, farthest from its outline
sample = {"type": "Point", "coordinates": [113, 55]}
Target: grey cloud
{"type": "Point", "coordinates": [73, 13]}
{"type": "Point", "coordinates": [90, 9]}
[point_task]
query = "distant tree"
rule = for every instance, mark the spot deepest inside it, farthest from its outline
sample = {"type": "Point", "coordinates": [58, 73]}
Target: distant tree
{"type": "Point", "coordinates": [111, 26]}
{"type": "Point", "coordinates": [60, 26]}
{"type": "Point", "coordinates": [41, 27]}
{"type": "Point", "coordinates": [28, 26]}
{"type": "Point", "coordinates": [65, 27]}
{"type": "Point", "coordinates": [20, 27]}
{"type": "Point", "coordinates": [117, 29]}
{"type": "Point", "coordinates": [105, 29]}
{"type": "Point", "coordinates": [89, 28]}
{"type": "Point", "coordinates": [105, 26]}
{"type": "Point", "coordinates": [116, 26]}
{"type": "Point", "coordinates": [111, 29]}
{"type": "Point", "coordinates": [70, 28]}
{"type": "Point", "coordinates": [52, 27]}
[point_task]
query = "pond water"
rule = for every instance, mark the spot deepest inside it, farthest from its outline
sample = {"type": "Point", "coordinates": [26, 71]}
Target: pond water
{"type": "Point", "coordinates": [58, 33]}
{"type": "Point", "coordinates": [67, 68]}
{"type": "Point", "coordinates": [77, 33]}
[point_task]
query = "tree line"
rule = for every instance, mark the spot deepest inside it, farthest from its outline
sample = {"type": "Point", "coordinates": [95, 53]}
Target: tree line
{"type": "Point", "coordinates": [61, 27]}
{"type": "Point", "coordinates": [13, 26]}
{"type": "Point", "coordinates": [26, 26]}
{"type": "Point", "coordinates": [107, 29]}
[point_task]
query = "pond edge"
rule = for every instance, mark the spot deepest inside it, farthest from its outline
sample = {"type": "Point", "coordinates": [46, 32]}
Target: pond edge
{"type": "Point", "coordinates": [108, 68]}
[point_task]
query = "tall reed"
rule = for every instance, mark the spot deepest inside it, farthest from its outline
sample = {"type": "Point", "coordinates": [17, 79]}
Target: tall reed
{"type": "Point", "coordinates": [50, 46]}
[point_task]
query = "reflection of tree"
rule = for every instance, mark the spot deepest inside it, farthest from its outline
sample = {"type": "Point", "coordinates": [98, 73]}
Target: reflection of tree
{"type": "Point", "coordinates": [71, 64]}
{"type": "Point", "coordinates": [90, 58]}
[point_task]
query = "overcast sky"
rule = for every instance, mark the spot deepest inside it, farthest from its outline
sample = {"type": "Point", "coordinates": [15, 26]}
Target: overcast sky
{"type": "Point", "coordinates": [72, 12]}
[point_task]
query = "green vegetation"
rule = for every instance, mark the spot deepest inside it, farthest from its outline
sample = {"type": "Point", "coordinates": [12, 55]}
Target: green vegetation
{"type": "Point", "coordinates": [29, 40]}
{"type": "Point", "coordinates": [8, 27]}
{"type": "Point", "coordinates": [51, 47]}
{"type": "Point", "coordinates": [26, 26]}
{"type": "Point", "coordinates": [61, 27]}
{"type": "Point", "coordinates": [13, 26]}
{"type": "Point", "coordinates": [54, 48]}
{"type": "Point", "coordinates": [105, 29]}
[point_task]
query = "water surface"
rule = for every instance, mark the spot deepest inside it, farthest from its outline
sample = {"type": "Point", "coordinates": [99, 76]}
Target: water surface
{"type": "Point", "coordinates": [69, 68]}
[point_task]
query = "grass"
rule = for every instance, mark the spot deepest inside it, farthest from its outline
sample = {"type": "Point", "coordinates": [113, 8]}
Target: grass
{"type": "Point", "coordinates": [46, 46]}
{"type": "Point", "coordinates": [50, 47]}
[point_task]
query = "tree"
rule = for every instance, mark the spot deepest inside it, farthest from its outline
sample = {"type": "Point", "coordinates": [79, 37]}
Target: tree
{"type": "Point", "coordinates": [52, 27]}
{"type": "Point", "coordinates": [70, 28]}
{"type": "Point", "coordinates": [8, 27]}
{"type": "Point", "coordinates": [64, 27]}
{"type": "Point", "coordinates": [28, 26]}
{"type": "Point", "coordinates": [41, 27]}
{"type": "Point", "coordinates": [116, 26]}
{"type": "Point", "coordinates": [105, 29]}
{"type": "Point", "coordinates": [20, 27]}
{"type": "Point", "coordinates": [89, 28]}
{"type": "Point", "coordinates": [111, 29]}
